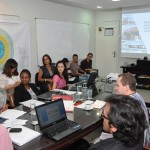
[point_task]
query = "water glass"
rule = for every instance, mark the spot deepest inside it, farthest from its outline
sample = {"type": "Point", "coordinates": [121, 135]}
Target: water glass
{"type": "Point", "coordinates": [89, 93]}
{"type": "Point", "coordinates": [84, 93]}
{"type": "Point", "coordinates": [32, 107]}
{"type": "Point", "coordinates": [77, 96]}
{"type": "Point", "coordinates": [34, 120]}
{"type": "Point", "coordinates": [79, 88]}
{"type": "Point", "coordinates": [84, 85]}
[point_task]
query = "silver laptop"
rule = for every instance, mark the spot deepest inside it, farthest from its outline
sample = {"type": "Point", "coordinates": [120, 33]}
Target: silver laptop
{"type": "Point", "coordinates": [53, 121]}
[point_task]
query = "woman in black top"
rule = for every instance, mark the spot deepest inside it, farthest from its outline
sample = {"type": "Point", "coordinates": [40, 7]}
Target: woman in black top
{"type": "Point", "coordinates": [46, 73]}
{"type": "Point", "coordinates": [25, 90]}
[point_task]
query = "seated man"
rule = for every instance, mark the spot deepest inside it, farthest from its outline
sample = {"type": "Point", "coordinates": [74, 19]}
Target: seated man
{"type": "Point", "coordinates": [125, 121]}
{"type": "Point", "coordinates": [76, 70]}
{"type": "Point", "coordinates": [126, 85]}
{"type": "Point", "coordinates": [86, 64]}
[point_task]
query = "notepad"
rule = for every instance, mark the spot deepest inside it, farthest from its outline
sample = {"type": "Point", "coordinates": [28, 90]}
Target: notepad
{"type": "Point", "coordinates": [23, 137]}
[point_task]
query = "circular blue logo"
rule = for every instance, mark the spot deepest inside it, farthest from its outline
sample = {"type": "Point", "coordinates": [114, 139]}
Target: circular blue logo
{"type": "Point", "coordinates": [6, 47]}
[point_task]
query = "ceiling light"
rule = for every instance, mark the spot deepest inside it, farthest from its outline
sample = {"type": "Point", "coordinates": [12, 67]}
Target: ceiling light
{"type": "Point", "coordinates": [99, 6]}
{"type": "Point", "coordinates": [115, 0]}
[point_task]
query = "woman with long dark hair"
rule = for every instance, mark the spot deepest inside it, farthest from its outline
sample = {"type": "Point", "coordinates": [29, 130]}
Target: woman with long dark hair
{"type": "Point", "coordinates": [60, 79]}
{"type": "Point", "coordinates": [46, 73]}
{"type": "Point", "coordinates": [9, 78]}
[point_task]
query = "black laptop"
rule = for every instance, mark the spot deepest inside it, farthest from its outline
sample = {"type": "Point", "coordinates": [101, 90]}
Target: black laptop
{"type": "Point", "coordinates": [53, 121]}
{"type": "Point", "coordinates": [90, 83]}
{"type": "Point", "coordinates": [48, 95]}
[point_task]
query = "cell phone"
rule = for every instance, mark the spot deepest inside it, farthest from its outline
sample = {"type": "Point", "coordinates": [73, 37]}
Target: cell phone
{"type": "Point", "coordinates": [15, 130]}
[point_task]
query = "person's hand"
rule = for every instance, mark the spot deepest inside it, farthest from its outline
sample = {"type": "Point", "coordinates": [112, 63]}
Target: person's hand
{"type": "Point", "coordinates": [16, 84]}
{"type": "Point", "coordinates": [49, 80]}
{"type": "Point", "coordinates": [5, 107]}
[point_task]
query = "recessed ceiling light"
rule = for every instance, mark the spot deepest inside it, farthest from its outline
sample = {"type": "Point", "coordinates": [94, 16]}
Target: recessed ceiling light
{"type": "Point", "coordinates": [99, 6]}
{"type": "Point", "coordinates": [115, 0]}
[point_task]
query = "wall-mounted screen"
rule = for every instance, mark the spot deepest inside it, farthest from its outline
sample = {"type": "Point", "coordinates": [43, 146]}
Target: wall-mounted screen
{"type": "Point", "coordinates": [135, 39]}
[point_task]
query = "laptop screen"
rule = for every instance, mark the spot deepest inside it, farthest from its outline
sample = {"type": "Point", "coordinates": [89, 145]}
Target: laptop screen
{"type": "Point", "coordinates": [50, 113]}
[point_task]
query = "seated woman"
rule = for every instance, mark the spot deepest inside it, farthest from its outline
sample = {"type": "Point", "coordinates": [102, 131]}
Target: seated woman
{"type": "Point", "coordinates": [45, 74]}
{"type": "Point", "coordinates": [60, 79]}
{"type": "Point", "coordinates": [9, 79]}
{"type": "Point", "coordinates": [25, 90]}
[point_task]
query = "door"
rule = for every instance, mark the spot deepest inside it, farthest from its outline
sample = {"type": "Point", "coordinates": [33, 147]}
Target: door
{"type": "Point", "coordinates": [107, 49]}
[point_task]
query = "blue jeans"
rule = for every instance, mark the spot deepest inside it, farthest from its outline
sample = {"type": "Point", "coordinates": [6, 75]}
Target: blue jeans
{"type": "Point", "coordinates": [84, 77]}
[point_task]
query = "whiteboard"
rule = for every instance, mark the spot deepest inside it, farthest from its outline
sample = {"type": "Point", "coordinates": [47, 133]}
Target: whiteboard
{"type": "Point", "coordinates": [61, 39]}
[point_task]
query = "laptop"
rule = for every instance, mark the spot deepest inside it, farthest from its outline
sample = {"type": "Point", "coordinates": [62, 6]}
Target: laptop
{"type": "Point", "coordinates": [53, 121]}
{"type": "Point", "coordinates": [48, 95]}
{"type": "Point", "coordinates": [90, 83]}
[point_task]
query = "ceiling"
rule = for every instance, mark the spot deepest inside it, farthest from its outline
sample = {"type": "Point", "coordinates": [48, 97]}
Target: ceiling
{"type": "Point", "coordinates": [106, 4]}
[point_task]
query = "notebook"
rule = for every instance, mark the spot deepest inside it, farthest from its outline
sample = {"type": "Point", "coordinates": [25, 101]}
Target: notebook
{"type": "Point", "coordinates": [48, 95]}
{"type": "Point", "coordinates": [53, 121]}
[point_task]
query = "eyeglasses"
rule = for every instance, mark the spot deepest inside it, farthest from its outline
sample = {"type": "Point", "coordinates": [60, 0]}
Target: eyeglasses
{"type": "Point", "coordinates": [103, 116]}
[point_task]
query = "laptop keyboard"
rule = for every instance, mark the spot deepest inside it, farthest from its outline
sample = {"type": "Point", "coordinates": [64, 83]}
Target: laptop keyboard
{"type": "Point", "coordinates": [60, 127]}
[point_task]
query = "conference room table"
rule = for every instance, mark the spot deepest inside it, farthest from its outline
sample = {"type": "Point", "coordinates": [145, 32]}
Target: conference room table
{"type": "Point", "coordinates": [90, 121]}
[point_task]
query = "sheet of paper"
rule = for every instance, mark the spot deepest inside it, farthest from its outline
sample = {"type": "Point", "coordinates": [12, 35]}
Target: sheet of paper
{"type": "Point", "coordinates": [99, 104]}
{"type": "Point", "coordinates": [12, 113]}
{"type": "Point", "coordinates": [69, 107]}
{"type": "Point", "coordinates": [24, 136]}
{"type": "Point", "coordinates": [82, 106]}
{"type": "Point", "coordinates": [72, 78]}
{"type": "Point", "coordinates": [14, 122]}
{"type": "Point", "coordinates": [27, 103]}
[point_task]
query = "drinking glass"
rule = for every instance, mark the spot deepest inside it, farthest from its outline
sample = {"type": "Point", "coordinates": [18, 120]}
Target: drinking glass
{"type": "Point", "coordinates": [32, 107]}
{"type": "Point", "coordinates": [79, 88]}
{"type": "Point", "coordinates": [89, 93]}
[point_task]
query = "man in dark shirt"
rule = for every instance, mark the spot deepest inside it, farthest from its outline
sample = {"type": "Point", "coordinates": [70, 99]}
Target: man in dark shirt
{"type": "Point", "coordinates": [125, 119]}
{"type": "Point", "coordinates": [86, 64]}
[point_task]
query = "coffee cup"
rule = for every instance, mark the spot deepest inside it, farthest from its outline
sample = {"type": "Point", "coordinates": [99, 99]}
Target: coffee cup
{"type": "Point", "coordinates": [87, 106]}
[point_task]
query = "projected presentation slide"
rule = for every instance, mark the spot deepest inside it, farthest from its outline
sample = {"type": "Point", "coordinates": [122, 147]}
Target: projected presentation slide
{"type": "Point", "coordinates": [135, 34]}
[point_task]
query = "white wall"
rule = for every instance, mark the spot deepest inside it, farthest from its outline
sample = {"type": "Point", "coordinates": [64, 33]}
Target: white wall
{"type": "Point", "coordinates": [28, 10]}
{"type": "Point", "coordinates": [106, 19]}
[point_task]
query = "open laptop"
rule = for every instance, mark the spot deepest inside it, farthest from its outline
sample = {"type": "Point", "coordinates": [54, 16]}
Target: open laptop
{"type": "Point", "coordinates": [90, 83]}
{"type": "Point", "coordinates": [48, 95]}
{"type": "Point", "coordinates": [53, 121]}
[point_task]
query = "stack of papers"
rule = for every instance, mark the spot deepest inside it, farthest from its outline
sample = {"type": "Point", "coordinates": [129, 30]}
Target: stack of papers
{"type": "Point", "coordinates": [12, 113]}
{"type": "Point", "coordinates": [14, 122]}
{"type": "Point", "coordinates": [24, 136]}
{"type": "Point", "coordinates": [27, 103]}
{"type": "Point", "coordinates": [97, 104]}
